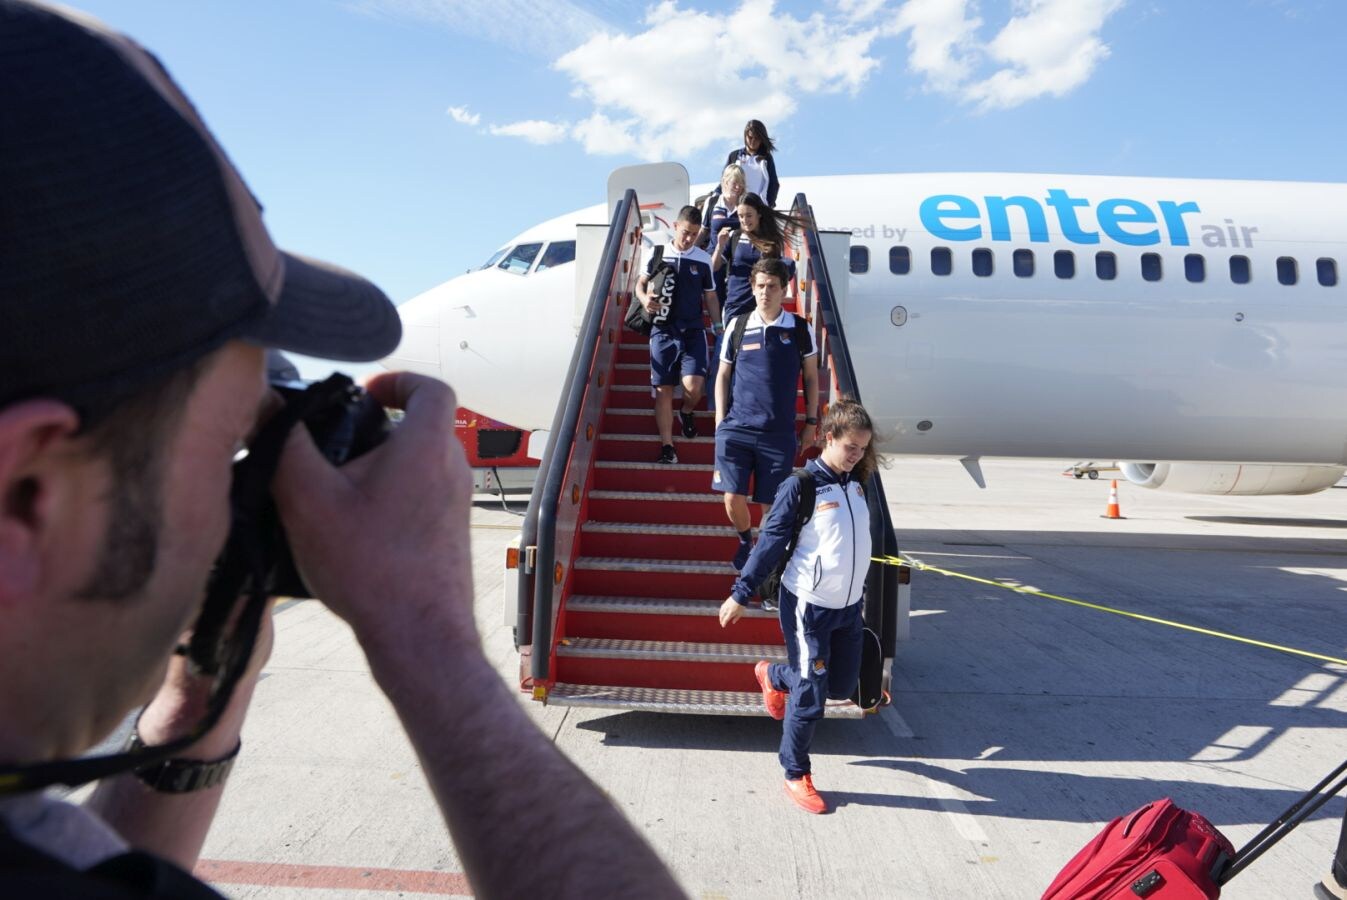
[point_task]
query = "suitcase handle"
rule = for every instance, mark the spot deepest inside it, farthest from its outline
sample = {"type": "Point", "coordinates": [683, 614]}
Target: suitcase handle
{"type": "Point", "coordinates": [1296, 813]}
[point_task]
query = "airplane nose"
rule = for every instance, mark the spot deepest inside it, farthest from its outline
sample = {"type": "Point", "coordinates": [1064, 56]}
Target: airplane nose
{"type": "Point", "coordinates": [419, 350]}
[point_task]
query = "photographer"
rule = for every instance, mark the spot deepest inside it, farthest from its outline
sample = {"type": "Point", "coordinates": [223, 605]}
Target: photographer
{"type": "Point", "coordinates": [140, 289]}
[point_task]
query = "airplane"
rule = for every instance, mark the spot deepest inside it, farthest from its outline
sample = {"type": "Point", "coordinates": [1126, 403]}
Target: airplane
{"type": "Point", "coordinates": [1194, 330]}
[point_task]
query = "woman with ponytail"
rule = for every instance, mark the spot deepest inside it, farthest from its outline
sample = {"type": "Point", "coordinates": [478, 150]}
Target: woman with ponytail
{"type": "Point", "coordinates": [761, 233]}
{"type": "Point", "coordinates": [822, 583]}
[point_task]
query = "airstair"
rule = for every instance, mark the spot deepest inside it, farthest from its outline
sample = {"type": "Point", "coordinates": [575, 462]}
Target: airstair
{"type": "Point", "coordinates": [623, 562]}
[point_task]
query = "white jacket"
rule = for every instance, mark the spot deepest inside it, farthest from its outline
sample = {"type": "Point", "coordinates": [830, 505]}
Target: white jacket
{"type": "Point", "coordinates": [832, 557]}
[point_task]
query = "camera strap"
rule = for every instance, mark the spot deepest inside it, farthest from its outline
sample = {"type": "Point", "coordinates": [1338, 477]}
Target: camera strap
{"type": "Point", "coordinates": [215, 649]}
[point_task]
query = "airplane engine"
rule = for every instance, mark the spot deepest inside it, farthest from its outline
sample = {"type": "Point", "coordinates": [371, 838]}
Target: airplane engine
{"type": "Point", "coordinates": [1231, 478]}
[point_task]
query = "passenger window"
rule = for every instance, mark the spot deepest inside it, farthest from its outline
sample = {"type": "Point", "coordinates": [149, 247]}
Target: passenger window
{"type": "Point", "coordinates": [1064, 264]}
{"type": "Point", "coordinates": [1151, 269]}
{"type": "Point", "coordinates": [1105, 266]}
{"type": "Point", "coordinates": [1023, 263]}
{"type": "Point", "coordinates": [1195, 267]}
{"type": "Point", "coordinates": [1239, 269]}
{"type": "Point", "coordinates": [558, 253]}
{"type": "Point", "coordinates": [1286, 270]}
{"type": "Point", "coordinates": [982, 262]}
{"type": "Point", "coordinates": [518, 260]}
{"type": "Point", "coordinates": [900, 260]}
{"type": "Point", "coordinates": [495, 257]}
{"type": "Point", "coordinates": [942, 261]}
{"type": "Point", "coordinates": [1328, 271]}
{"type": "Point", "coordinates": [860, 260]}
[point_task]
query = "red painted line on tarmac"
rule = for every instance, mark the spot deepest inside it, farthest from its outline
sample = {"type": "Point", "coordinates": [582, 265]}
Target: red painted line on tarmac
{"type": "Point", "coordinates": [411, 881]}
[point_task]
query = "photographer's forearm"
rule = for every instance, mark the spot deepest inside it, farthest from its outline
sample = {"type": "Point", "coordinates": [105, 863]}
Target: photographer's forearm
{"type": "Point", "coordinates": [507, 794]}
{"type": "Point", "coordinates": [171, 826]}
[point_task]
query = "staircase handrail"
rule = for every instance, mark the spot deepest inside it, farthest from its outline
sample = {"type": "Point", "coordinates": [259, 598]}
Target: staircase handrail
{"type": "Point", "coordinates": [882, 581]}
{"type": "Point", "coordinates": [535, 589]}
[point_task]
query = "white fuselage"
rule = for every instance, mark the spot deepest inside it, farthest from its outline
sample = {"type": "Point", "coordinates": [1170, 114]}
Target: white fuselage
{"type": "Point", "coordinates": [968, 365]}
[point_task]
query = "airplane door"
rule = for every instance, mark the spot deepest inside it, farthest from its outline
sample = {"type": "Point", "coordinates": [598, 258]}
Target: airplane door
{"type": "Point", "coordinates": [662, 188]}
{"type": "Point", "coordinates": [837, 253]}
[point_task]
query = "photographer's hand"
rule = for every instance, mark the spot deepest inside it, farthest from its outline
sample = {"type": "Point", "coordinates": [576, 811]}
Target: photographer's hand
{"type": "Point", "coordinates": [384, 541]}
{"type": "Point", "coordinates": [174, 826]}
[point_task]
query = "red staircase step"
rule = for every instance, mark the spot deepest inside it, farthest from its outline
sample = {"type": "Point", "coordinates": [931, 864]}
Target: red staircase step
{"type": "Point", "coordinates": [647, 476]}
{"type": "Point", "coordinates": [668, 700]}
{"type": "Point", "coordinates": [645, 448]}
{"type": "Point", "coordinates": [662, 508]}
{"type": "Point", "coordinates": [663, 664]}
{"type": "Point", "coordinates": [626, 576]}
{"type": "Point", "coordinates": [641, 420]}
{"type": "Point", "coordinates": [632, 373]}
{"type": "Point", "coordinates": [658, 541]}
{"type": "Point", "coordinates": [630, 351]}
{"type": "Point", "coordinates": [672, 619]}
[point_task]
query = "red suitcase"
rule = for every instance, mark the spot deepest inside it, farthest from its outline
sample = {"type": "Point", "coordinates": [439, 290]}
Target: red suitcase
{"type": "Point", "coordinates": [1163, 852]}
{"type": "Point", "coordinates": [1159, 852]}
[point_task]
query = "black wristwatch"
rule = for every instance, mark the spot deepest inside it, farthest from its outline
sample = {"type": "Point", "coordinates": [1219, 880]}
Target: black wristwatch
{"type": "Point", "coordinates": [810, 420]}
{"type": "Point", "coordinates": [182, 776]}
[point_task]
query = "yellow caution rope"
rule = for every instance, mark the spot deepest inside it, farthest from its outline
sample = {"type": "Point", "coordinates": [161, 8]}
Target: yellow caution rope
{"type": "Point", "coordinates": [1021, 589]}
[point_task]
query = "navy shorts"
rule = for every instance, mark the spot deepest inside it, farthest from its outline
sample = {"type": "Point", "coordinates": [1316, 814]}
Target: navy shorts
{"type": "Point", "coordinates": [769, 458]}
{"type": "Point", "coordinates": [676, 354]}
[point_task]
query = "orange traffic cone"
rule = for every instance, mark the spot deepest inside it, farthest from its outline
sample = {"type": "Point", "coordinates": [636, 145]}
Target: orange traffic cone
{"type": "Point", "coordinates": [1113, 512]}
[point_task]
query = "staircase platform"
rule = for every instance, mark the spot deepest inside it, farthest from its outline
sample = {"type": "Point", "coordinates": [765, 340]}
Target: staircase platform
{"type": "Point", "coordinates": [659, 606]}
{"type": "Point", "coordinates": [663, 700]}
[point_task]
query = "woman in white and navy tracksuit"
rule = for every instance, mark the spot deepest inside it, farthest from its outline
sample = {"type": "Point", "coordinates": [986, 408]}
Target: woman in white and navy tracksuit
{"type": "Point", "coordinates": [756, 159]}
{"type": "Point", "coordinates": [821, 588]}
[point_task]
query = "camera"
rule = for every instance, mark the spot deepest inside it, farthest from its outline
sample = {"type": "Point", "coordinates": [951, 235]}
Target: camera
{"type": "Point", "coordinates": [345, 422]}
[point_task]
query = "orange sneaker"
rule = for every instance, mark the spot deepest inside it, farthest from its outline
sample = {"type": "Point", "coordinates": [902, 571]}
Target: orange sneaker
{"type": "Point", "coordinates": [802, 792]}
{"type": "Point", "coordinates": [774, 700]}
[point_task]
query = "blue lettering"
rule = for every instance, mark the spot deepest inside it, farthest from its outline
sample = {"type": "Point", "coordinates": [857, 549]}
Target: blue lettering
{"type": "Point", "coordinates": [1173, 213]}
{"type": "Point", "coordinates": [1113, 214]}
{"type": "Point", "coordinates": [1000, 222]}
{"type": "Point", "coordinates": [1118, 219]}
{"type": "Point", "coordinates": [1065, 205]}
{"type": "Point", "coordinates": [936, 209]}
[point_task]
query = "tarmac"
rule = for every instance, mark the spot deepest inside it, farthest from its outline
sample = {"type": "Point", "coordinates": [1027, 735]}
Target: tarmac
{"type": "Point", "coordinates": [1019, 725]}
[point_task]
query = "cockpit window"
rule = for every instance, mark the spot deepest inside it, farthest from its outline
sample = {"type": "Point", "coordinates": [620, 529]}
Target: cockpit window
{"type": "Point", "coordinates": [520, 258]}
{"type": "Point", "coordinates": [558, 253]}
{"type": "Point", "coordinates": [495, 257]}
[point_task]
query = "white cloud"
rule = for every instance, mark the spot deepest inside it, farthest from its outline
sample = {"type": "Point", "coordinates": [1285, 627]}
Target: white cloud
{"type": "Point", "coordinates": [532, 130]}
{"type": "Point", "coordinates": [942, 41]}
{"type": "Point", "coordinates": [461, 115]}
{"type": "Point", "coordinates": [545, 29]}
{"type": "Point", "coordinates": [689, 79]}
{"type": "Point", "coordinates": [1048, 48]}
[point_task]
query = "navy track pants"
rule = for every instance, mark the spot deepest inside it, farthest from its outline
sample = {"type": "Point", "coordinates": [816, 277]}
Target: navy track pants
{"type": "Point", "coordinates": [824, 649]}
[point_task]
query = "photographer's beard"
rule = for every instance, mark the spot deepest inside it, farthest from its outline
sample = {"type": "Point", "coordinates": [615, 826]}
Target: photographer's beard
{"type": "Point", "coordinates": [130, 544]}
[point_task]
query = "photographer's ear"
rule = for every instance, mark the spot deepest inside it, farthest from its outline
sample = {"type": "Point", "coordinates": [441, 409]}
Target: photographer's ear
{"type": "Point", "coordinates": [36, 455]}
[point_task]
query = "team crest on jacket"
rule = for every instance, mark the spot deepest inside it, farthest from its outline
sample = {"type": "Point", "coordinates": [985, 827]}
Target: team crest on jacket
{"type": "Point", "coordinates": [785, 337]}
{"type": "Point", "coordinates": [820, 666]}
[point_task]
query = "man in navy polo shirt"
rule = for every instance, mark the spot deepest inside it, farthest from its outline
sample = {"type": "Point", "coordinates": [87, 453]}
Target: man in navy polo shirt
{"type": "Point", "coordinates": [678, 338]}
{"type": "Point", "coordinates": [755, 401]}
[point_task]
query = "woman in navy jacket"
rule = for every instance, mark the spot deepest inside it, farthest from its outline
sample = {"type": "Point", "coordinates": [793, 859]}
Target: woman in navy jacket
{"type": "Point", "coordinates": [755, 158]}
{"type": "Point", "coordinates": [821, 588]}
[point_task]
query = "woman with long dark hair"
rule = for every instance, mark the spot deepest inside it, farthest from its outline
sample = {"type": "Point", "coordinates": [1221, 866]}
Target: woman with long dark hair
{"type": "Point", "coordinates": [757, 161]}
{"type": "Point", "coordinates": [761, 232]}
{"type": "Point", "coordinates": [822, 584]}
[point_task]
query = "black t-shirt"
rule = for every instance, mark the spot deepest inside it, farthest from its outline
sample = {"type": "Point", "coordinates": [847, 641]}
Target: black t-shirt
{"type": "Point", "coordinates": [26, 872]}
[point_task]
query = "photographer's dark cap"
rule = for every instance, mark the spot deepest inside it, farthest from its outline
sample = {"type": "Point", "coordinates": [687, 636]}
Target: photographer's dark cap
{"type": "Point", "coordinates": [129, 245]}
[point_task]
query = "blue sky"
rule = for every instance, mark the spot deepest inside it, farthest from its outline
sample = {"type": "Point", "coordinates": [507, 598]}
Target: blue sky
{"type": "Point", "coordinates": [406, 139]}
